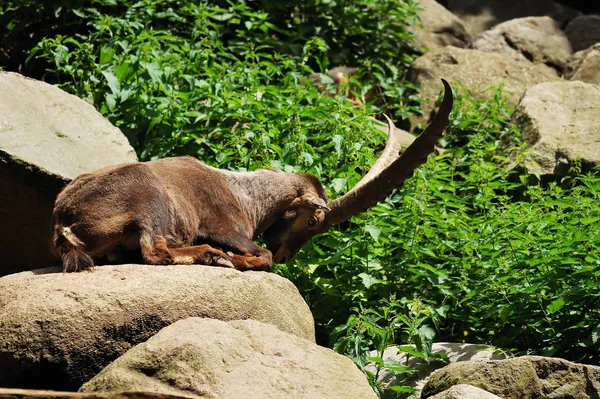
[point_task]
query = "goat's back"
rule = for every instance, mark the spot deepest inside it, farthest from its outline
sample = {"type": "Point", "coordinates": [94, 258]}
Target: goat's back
{"type": "Point", "coordinates": [178, 198]}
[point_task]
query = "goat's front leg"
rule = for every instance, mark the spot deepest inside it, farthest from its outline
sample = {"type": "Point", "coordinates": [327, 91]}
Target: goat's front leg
{"type": "Point", "coordinates": [262, 261]}
{"type": "Point", "coordinates": [156, 252]}
{"type": "Point", "coordinates": [202, 254]}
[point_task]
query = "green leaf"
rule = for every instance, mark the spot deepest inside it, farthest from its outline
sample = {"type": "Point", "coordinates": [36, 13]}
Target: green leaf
{"type": "Point", "coordinates": [111, 101]}
{"type": "Point", "coordinates": [338, 140]}
{"type": "Point", "coordinates": [399, 368]}
{"type": "Point", "coordinates": [107, 53]}
{"type": "Point", "coordinates": [339, 184]}
{"type": "Point", "coordinates": [374, 231]}
{"type": "Point", "coordinates": [113, 82]}
{"type": "Point", "coordinates": [155, 72]}
{"type": "Point", "coordinates": [411, 350]}
{"type": "Point", "coordinates": [368, 280]}
{"type": "Point", "coordinates": [426, 333]}
{"type": "Point", "coordinates": [307, 158]}
{"type": "Point", "coordinates": [402, 389]}
{"type": "Point", "coordinates": [555, 305]}
{"type": "Point", "coordinates": [589, 220]}
{"type": "Point", "coordinates": [61, 54]}
{"type": "Point", "coordinates": [124, 71]}
{"type": "Point", "coordinates": [79, 12]}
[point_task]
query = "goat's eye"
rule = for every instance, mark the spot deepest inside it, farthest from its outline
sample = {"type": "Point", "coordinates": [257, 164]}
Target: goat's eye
{"type": "Point", "coordinates": [312, 221]}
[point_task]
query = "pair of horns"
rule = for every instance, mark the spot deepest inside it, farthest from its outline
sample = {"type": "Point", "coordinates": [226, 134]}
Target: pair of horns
{"type": "Point", "coordinates": [391, 169]}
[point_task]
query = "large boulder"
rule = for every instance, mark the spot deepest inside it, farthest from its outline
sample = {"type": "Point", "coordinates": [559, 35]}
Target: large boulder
{"type": "Point", "coordinates": [59, 330]}
{"type": "Point", "coordinates": [527, 377]}
{"type": "Point", "coordinates": [559, 126]}
{"type": "Point", "coordinates": [536, 39]}
{"type": "Point", "coordinates": [455, 352]}
{"type": "Point", "coordinates": [465, 391]}
{"type": "Point", "coordinates": [584, 31]}
{"type": "Point", "coordinates": [237, 359]}
{"type": "Point", "coordinates": [10, 393]}
{"type": "Point", "coordinates": [438, 27]}
{"type": "Point", "coordinates": [47, 137]}
{"type": "Point", "coordinates": [480, 15]}
{"type": "Point", "coordinates": [477, 71]}
{"type": "Point", "coordinates": [584, 65]}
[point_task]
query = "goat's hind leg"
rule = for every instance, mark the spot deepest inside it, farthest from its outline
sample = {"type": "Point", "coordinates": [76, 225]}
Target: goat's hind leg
{"type": "Point", "coordinates": [156, 252]}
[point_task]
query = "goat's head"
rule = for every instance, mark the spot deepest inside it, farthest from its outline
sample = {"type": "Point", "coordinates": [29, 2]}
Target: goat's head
{"type": "Point", "coordinates": [301, 221]}
{"type": "Point", "coordinates": [313, 214]}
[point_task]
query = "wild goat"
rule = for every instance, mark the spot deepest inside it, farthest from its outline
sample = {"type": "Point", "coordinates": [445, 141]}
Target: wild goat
{"type": "Point", "coordinates": [181, 211]}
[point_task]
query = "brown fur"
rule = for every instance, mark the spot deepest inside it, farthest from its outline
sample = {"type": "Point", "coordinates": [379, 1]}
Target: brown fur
{"type": "Point", "coordinates": [175, 210]}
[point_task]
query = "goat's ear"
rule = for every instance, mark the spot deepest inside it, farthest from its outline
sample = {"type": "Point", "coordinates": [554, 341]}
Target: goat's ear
{"type": "Point", "coordinates": [311, 201]}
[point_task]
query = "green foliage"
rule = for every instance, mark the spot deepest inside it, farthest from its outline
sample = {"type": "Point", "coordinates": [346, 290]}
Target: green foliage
{"type": "Point", "coordinates": [215, 74]}
{"type": "Point", "coordinates": [473, 247]}
{"type": "Point", "coordinates": [381, 327]}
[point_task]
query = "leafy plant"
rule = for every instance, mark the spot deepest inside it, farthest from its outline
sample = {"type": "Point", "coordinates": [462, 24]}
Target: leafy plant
{"type": "Point", "coordinates": [379, 328]}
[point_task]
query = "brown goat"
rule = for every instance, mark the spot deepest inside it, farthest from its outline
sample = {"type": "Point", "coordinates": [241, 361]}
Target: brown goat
{"type": "Point", "coordinates": [181, 211]}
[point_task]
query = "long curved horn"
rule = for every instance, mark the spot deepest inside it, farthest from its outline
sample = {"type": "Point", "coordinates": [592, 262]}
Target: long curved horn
{"type": "Point", "coordinates": [390, 170]}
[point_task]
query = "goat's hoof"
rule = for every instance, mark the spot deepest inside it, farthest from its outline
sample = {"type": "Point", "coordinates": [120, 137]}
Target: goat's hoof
{"type": "Point", "coordinates": [223, 262]}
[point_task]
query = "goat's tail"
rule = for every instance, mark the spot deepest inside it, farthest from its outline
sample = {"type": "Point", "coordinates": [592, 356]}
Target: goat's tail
{"type": "Point", "coordinates": [71, 250]}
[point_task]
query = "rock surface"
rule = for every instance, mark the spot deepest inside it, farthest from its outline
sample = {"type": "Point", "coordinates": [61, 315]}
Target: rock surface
{"type": "Point", "coordinates": [536, 39]}
{"type": "Point", "coordinates": [584, 31]}
{"type": "Point", "coordinates": [526, 377]}
{"type": "Point", "coordinates": [477, 71]}
{"type": "Point", "coordinates": [237, 359]}
{"type": "Point", "coordinates": [584, 65]}
{"type": "Point", "coordinates": [480, 15]}
{"type": "Point", "coordinates": [456, 352]}
{"type": "Point", "coordinates": [465, 391]}
{"type": "Point", "coordinates": [439, 27]}
{"type": "Point", "coordinates": [559, 120]}
{"type": "Point", "coordinates": [59, 330]}
{"type": "Point", "coordinates": [47, 137]}
{"type": "Point", "coordinates": [405, 138]}
{"type": "Point", "coordinates": [8, 393]}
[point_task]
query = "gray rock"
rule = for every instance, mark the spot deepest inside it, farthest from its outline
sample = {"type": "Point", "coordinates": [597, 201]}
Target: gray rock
{"type": "Point", "coordinates": [9, 393]}
{"type": "Point", "coordinates": [477, 71]}
{"type": "Point", "coordinates": [59, 330]}
{"type": "Point", "coordinates": [559, 120]}
{"type": "Point", "coordinates": [465, 391]}
{"type": "Point", "coordinates": [583, 31]}
{"type": "Point", "coordinates": [584, 65]}
{"type": "Point", "coordinates": [480, 15]}
{"type": "Point", "coordinates": [536, 39]}
{"type": "Point", "coordinates": [47, 137]}
{"type": "Point", "coordinates": [526, 377]}
{"type": "Point", "coordinates": [239, 359]}
{"type": "Point", "coordinates": [439, 27]}
{"type": "Point", "coordinates": [405, 138]}
{"type": "Point", "coordinates": [456, 352]}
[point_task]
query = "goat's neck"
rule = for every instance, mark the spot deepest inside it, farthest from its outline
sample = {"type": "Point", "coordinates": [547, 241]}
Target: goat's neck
{"type": "Point", "coordinates": [264, 195]}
